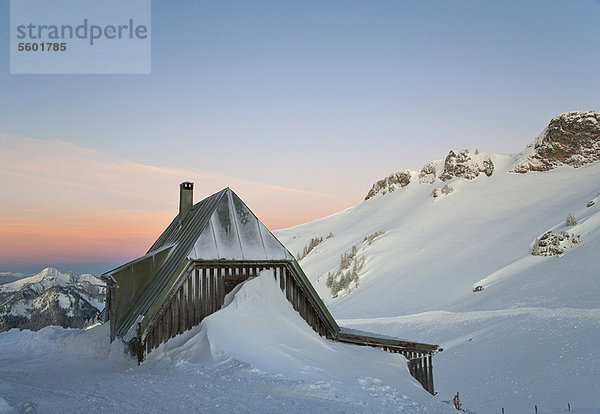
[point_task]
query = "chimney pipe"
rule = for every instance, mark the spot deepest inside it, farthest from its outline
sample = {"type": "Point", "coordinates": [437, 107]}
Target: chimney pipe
{"type": "Point", "coordinates": [186, 200]}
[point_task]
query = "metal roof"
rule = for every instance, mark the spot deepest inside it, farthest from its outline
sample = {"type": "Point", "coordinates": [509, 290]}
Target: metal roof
{"type": "Point", "coordinates": [220, 227]}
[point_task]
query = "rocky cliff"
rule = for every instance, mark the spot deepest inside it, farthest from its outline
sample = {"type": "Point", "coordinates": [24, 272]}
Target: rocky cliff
{"type": "Point", "coordinates": [572, 138]}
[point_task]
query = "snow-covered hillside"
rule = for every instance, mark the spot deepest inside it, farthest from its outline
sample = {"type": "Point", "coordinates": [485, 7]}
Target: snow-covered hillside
{"type": "Point", "coordinates": [50, 298]}
{"type": "Point", "coordinates": [496, 264]}
{"type": "Point", "coordinates": [454, 267]}
{"type": "Point", "coordinates": [257, 355]}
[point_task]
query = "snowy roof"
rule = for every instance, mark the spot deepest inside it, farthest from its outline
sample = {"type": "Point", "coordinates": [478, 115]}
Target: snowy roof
{"type": "Point", "coordinates": [220, 227]}
{"type": "Point", "coordinates": [226, 230]}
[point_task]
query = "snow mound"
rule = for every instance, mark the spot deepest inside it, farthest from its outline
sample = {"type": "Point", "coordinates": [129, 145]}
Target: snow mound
{"type": "Point", "coordinates": [435, 253]}
{"type": "Point", "coordinates": [260, 328]}
{"type": "Point", "coordinates": [255, 355]}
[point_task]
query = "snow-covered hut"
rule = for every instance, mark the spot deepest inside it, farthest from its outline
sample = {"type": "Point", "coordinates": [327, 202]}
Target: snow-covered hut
{"type": "Point", "coordinates": [208, 249]}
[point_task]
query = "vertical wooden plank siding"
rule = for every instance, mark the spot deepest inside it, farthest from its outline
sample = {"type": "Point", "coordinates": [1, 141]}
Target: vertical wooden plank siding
{"type": "Point", "coordinates": [221, 291]}
{"type": "Point", "coordinates": [175, 315]}
{"type": "Point", "coordinates": [281, 280]}
{"type": "Point", "coordinates": [196, 296]}
{"type": "Point", "coordinates": [430, 386]}
{"type": "Point", "coordinates": [190, 302]}
{"type": "Point", "coordinates": [204, 292]}
{"type": "Point", "coordinates": [182, 310]}
{"type": "Point", "coordinates": [211, 290]}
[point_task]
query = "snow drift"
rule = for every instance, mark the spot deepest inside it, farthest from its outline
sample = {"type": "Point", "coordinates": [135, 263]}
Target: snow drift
{"type": "Point", "coordinates": [528, 335]}
{"type": "Point", "coordinates": [255, 355]}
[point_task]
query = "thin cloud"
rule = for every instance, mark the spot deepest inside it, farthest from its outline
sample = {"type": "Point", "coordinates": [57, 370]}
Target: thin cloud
{"type": "Point", "coordinates": [67, 202]}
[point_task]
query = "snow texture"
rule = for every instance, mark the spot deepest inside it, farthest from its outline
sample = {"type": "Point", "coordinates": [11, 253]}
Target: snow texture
{"type": "Point", "coordinates": [255, 355]}
{"type": "Point", "coordinates": [234, 233]}
{"type": "Point", "coordinates": [530, 335]}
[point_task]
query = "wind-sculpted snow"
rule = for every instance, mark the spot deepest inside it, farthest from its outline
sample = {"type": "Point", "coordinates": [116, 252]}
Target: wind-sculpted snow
{"type": "Point", "coordinates": [257, 355]}
{"type": "Point", "coordinates": [437, 251]}
{"type": "Point", "coordinates": [509, 358]}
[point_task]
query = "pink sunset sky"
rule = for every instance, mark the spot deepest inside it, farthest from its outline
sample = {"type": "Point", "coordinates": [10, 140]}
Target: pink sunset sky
{"type": "Point", "coordinates": [65, 203]}
{"type": "Point", "coordinates": [299, 107]}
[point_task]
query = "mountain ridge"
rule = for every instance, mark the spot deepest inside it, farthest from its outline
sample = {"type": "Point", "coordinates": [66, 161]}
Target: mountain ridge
{"type": "Point", "coordinates": [51, 298]}
{"type": "Point", "coordinates": [571, 138]}
{"type": "Point", "coordinates": [530, 328]}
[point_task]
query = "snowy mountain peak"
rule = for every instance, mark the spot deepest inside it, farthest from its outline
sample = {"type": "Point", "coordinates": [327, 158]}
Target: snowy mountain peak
{"type": "Point", "coordinates": [49, 277]}
{"type": "Point", "coordinates": [571, 138]}
{"type": "Point", "coordinates": [50, 298]}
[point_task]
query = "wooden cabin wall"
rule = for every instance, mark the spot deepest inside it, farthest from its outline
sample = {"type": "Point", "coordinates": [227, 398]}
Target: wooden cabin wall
{"type": "Point", "coordinates": [202, 293]}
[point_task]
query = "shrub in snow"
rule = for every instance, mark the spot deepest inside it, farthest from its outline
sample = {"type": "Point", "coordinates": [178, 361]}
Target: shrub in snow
{"type": "Point", "coordinates": [314, 242]}
{"type": "Point", "coordinates": [444, 191]}
{"type": "Point", "coordinates": [447, 189]}
{"type": "Point", "coordinates": [369, 239]}
{"type": "Point", "coordinates": [571, 221]}
{"type": "Point", "coordinates": [346, 276]}
{"type": "Point", "coordinates": [347, 272]}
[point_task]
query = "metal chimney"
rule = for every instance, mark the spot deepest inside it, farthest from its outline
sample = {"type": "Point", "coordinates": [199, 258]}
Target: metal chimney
{"type": "Point", "coordinates": [186, 200]}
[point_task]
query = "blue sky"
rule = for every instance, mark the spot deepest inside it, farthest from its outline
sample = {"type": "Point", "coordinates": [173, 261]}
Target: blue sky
{"type": "Point", "coordinates": [323, 97]}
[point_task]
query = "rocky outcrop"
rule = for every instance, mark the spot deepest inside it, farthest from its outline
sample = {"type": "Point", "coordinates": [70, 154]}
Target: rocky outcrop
{"type": "Point", "coordinates": [428, 173]}
{"type": "Point", "coordinates": [550, 244]}
{"type": "Point", "coordinates": [388, 184]}
{"type": "Point", "coordinates": [467, 165]}
{"type": "Point", "coordinates": [462, 164]}
{"type": "Point", "coordinates": [572, 138]}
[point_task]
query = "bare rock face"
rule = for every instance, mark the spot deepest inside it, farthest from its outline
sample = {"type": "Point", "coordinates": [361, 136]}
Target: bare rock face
{"type": "Point", "coordinates": [466, 165]}
{"type": "Point", "coordinates": [428, 173]}
{"type": "Point", "coordinates": [572, 138]}
{"type": "Point", "coordinates": [388, 184]}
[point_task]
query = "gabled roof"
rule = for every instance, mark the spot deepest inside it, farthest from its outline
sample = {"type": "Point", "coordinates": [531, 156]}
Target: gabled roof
{"type": "Point", "coordinates": [220, 227]}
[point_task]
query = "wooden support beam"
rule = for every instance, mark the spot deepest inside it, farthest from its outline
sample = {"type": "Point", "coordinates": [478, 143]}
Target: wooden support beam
{"type": "Point", "coordinates": [210, 291]}
{"type": "Point", "coordinates": [204, 293]}
{"type": "Point", "coordinates": [197, 302]}
{"type": "Point", "coordinates": [190, 302]}
{"type": "Point", "coordinates": [430, 386]}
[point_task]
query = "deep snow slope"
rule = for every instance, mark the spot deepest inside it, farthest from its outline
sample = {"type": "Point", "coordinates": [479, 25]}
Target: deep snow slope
{"type": "Point", "coordinates": [254, 356]}
{"type": "Point", "coordinates": [531, 335]}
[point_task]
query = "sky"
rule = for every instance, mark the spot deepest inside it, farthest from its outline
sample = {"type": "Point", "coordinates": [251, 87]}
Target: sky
{"type": "Point", "coordinates": [297, 106]}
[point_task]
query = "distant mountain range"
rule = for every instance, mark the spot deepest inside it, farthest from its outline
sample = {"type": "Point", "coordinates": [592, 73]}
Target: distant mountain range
{"type": "Point", "coordinates": [50, 298]}
{"type": "Point", "coordinates": [7, 277]}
